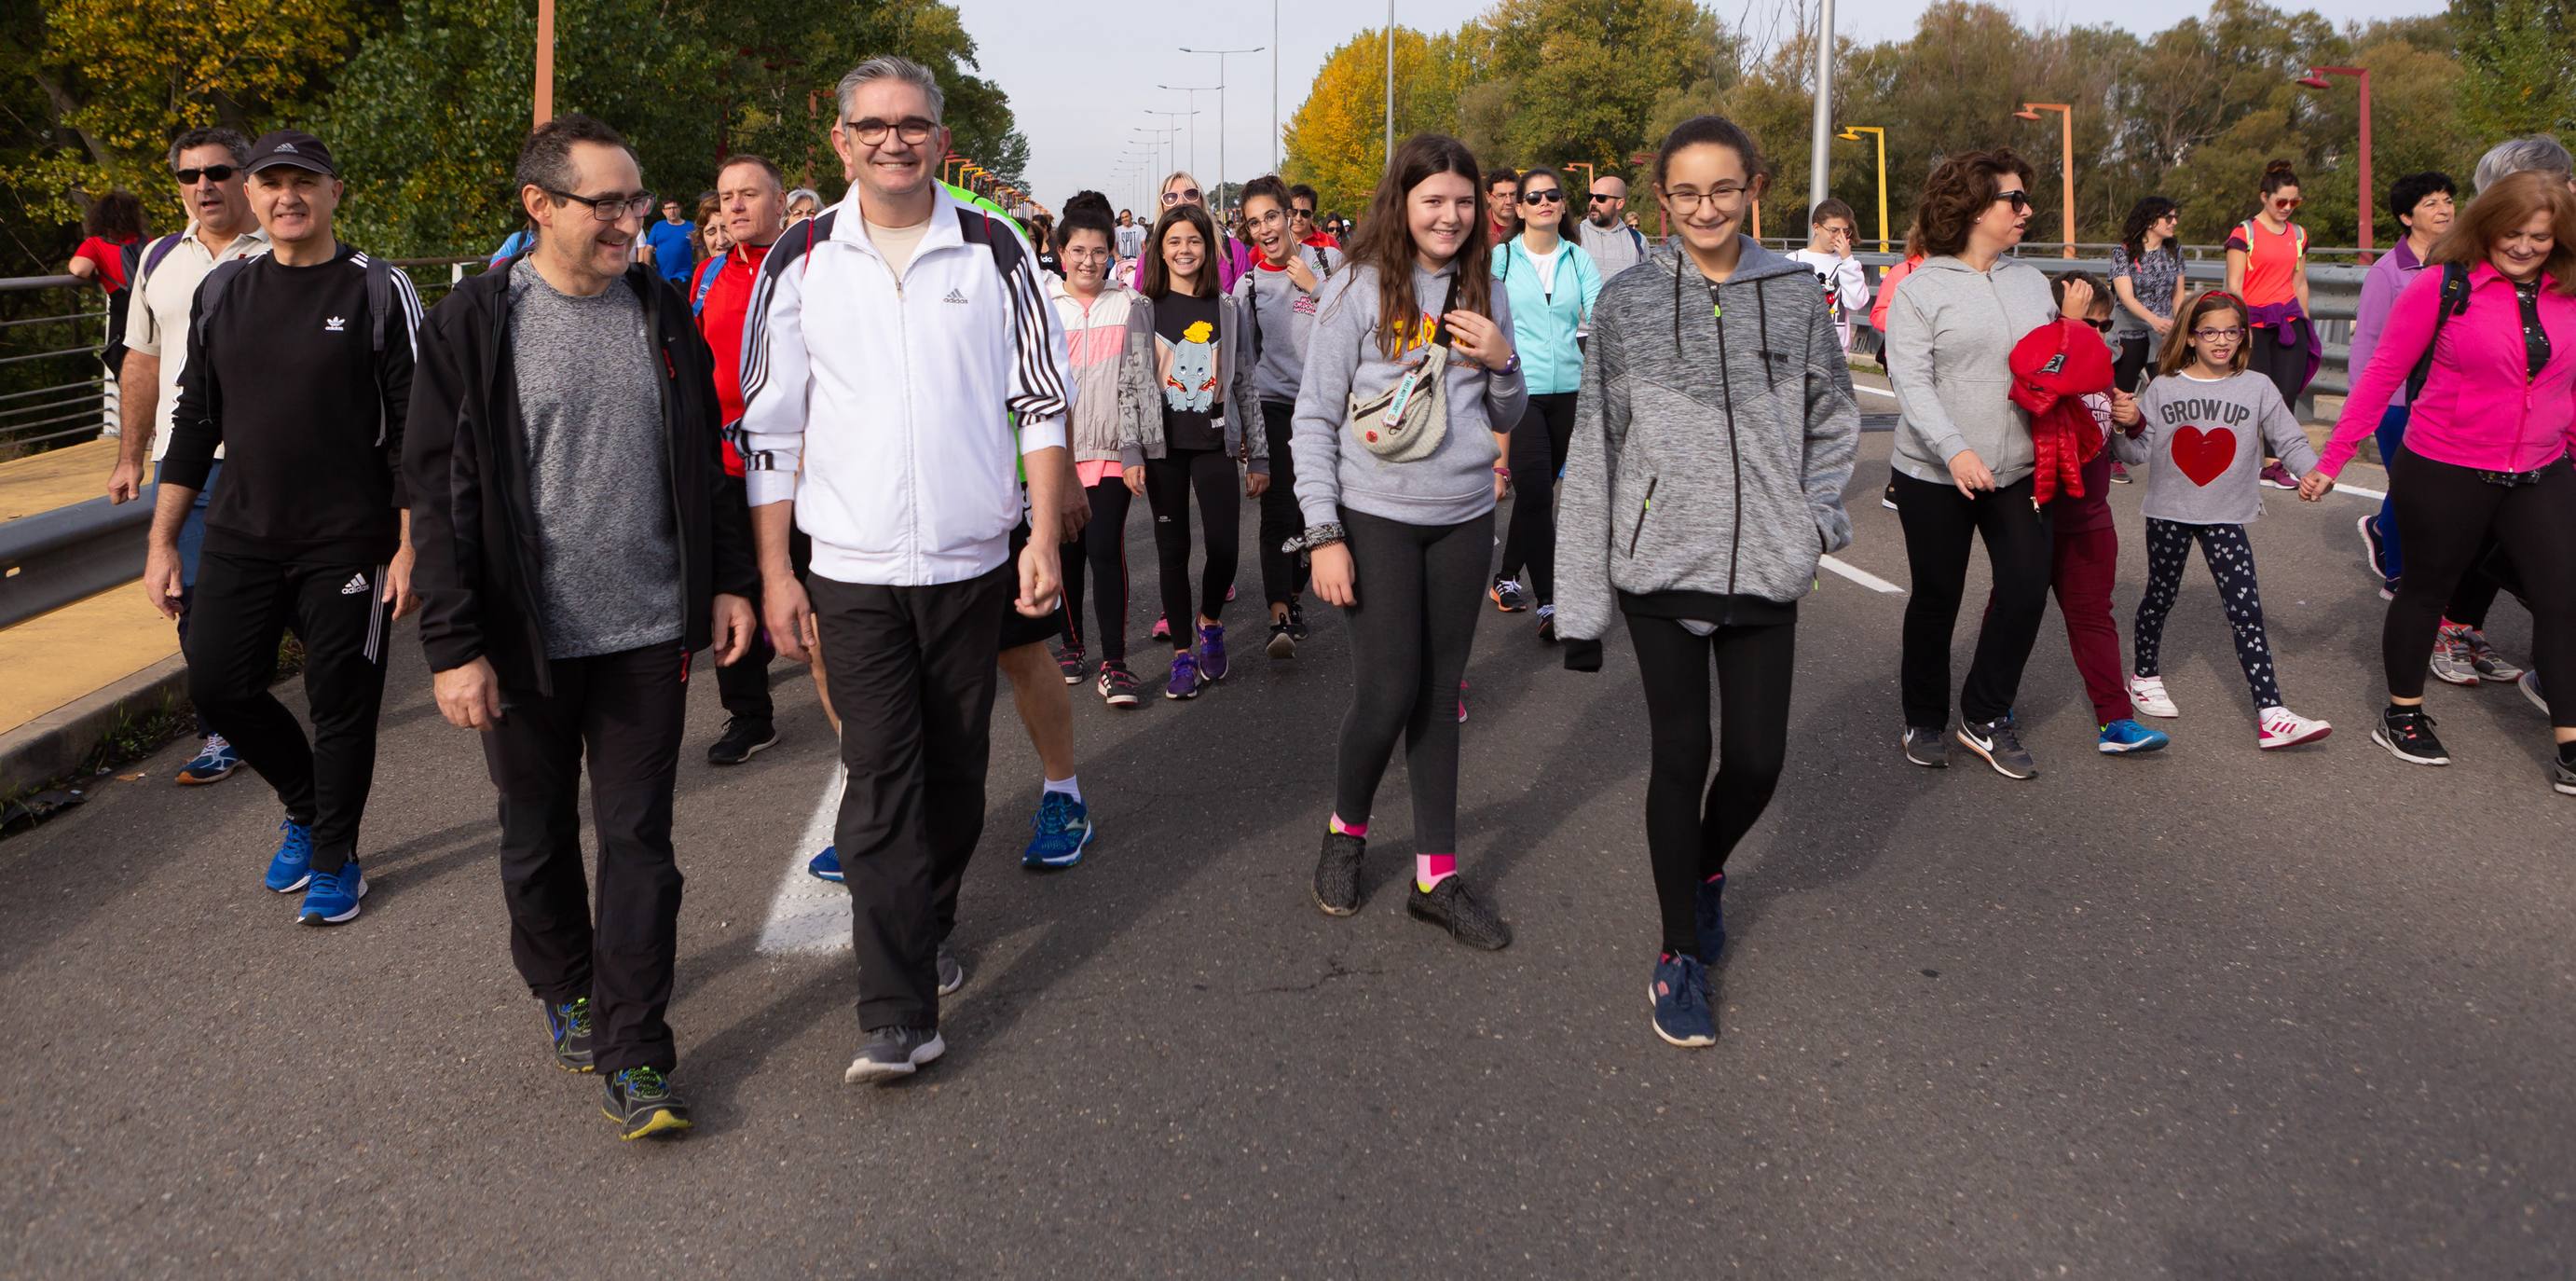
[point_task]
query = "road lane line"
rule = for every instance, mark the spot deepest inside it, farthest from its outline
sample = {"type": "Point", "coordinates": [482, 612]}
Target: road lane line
{"type": "Point", "coordinates": [2360, 492]}
{"type": "Point", "coordinates": [1863, 577]}
{"type": "Point", "coordinates": [807, 915]}
{"type": "Point", "coordinates": [1873, 391]}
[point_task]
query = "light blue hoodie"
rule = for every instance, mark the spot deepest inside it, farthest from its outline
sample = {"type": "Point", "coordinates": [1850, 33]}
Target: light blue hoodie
{"type": "Point", "coordinates": [1545, 319]}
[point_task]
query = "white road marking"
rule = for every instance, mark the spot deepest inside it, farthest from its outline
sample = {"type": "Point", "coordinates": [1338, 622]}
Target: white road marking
{"type": "Point", "coordinates": [1873, 391]}
{"type": "Point", "coordinates": [2360, 492]}
{"type": "Point", "coordinates": [1863, 577]}
{"type": "Point", "coordinates": [808, 915]}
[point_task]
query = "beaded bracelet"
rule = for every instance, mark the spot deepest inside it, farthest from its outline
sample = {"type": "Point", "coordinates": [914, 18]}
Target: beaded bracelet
{"type": "Point", "coordinates": [1323, 535]}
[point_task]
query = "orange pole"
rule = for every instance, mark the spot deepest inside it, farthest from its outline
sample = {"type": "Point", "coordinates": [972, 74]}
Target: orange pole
{"type": "Point", "coordinates": [2066, 121]}
{"type": "Point", "coordinates": [545, 60]}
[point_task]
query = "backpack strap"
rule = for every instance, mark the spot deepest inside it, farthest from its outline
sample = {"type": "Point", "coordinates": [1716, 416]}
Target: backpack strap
{"type": "Point", "coordinates": [210, 291]}
{"type": "Point", "coordinates": [2454, 301]}
{"type": "Point", "coordinates": [152, 257]}
{"type": "Point", "coordinates": [707, 273]}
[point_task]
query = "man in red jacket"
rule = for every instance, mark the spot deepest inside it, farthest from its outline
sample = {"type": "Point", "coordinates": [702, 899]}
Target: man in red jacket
{"type": "Point", "coordinates": [752, 200]}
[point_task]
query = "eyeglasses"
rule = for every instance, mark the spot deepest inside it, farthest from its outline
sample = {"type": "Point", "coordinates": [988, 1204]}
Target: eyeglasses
{"type": "Point", "coordinates": [1549, 196]}
{"type": "Point", "coordinates": [610, 208]}
{"type": "Point", "coordinates": [1190, 194]}
{"type": "Point", "coordinates": [211, 173]}
{"type": "Point", "coordinates": [2019, 200]}
{"type": "Point", "coordinates": [2290, 203]}
{"type": "Point", "coordinates": [912, 129]}
{"type": "Point", "coordinates": [2103, 325]}
{"type": "Point", "coordinates": [2219, 335]}
{"type": "Point", "coordinates": [1688, 201]}
{"type": "Point", "coordinates": [1302, 211]}
{"type": "Point", "coordinates": [1598, 196]}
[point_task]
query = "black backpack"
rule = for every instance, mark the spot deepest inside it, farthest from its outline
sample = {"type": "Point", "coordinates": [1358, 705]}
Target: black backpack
{"type": "Point", "coordinates": [2455, 300]}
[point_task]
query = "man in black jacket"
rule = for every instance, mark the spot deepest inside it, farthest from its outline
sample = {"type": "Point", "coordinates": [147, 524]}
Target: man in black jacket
{"type": "Point", "coordinates": [577, 542]}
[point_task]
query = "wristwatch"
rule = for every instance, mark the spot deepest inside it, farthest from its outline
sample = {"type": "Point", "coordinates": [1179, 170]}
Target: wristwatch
{"type": "Point", "coordinates": [1512, 366]}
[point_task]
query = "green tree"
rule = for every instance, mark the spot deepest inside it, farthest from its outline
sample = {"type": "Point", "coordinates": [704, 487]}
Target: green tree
{"type": "Point", "coordinates": [2518, 59]}
{"type": "Point", "coordinates": [1336, 138]}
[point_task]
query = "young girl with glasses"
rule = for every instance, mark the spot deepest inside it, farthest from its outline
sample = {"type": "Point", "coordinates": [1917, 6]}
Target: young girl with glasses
{"type": "Point", "coordinates": [2205, 424]}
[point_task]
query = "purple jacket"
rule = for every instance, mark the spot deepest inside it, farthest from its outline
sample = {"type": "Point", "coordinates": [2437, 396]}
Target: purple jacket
{"type": "Point", "coordinates": [2388, 278]}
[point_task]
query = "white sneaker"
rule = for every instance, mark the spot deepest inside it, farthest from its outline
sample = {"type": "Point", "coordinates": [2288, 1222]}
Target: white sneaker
{"type": "Point", "coordinates": [2148, 692]}
{"type": "Point", "coordinates": [2281, 727]}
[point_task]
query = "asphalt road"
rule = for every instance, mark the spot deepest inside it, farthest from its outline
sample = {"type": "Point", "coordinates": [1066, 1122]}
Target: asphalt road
{"type": "Point", "coordinates": [2212, 1013]}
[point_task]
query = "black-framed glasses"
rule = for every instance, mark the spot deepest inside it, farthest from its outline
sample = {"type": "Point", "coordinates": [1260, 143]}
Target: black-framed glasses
{"type": "Point", "coordinates": [211, 173]}
{"type": "Point", "coordinates": [1688, 201]}
{"type": "Point", "coordinates": [1546, 196]}
{"type": "Point", "coordinates": [1598, 196]}
{"type": "Point", "coordinates": [2019, 200]}
{"type": "Point", "coordinates": [869, 132]}
{"type": "Point", "coordinates": [1190, 194]}
{"type": "Point", "coordinates": [2215, 335]}
{"type": "Point", "coordinates": [611, 208]}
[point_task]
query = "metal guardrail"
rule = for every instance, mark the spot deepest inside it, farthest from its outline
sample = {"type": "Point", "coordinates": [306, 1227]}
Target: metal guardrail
{"type": "Point", "coordinates": [54, 558]}
{"type": "Point", "coordinates": [75, 400]}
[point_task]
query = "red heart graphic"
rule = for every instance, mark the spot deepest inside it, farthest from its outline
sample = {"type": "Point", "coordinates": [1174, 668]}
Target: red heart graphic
{"type": "Point", "coordinates": [2204, 455]}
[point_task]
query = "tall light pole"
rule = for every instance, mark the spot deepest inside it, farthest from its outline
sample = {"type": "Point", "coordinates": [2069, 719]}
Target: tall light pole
{"type": "Point", "coordinates": [1390, 85]}
{"type": "Point", "coordinates": [1821, 131]}
{"type": "Point", "coordinates": [2316, 79]}
{"type": "Point", "coordinates": [2066, 176]}
{"type": "Point", "coordinates": [1193, 91]}
{"type": "Point", "coordinates": [1274, 86]}
{"type": "Point", "coordinates": [545, 61]}
{"type": "Point", "coordinates": [1852, 133]}
{"type": "Point", "coordinates": [1221, 56]}
{"type": "Point", "coordinates": [1166, 136]}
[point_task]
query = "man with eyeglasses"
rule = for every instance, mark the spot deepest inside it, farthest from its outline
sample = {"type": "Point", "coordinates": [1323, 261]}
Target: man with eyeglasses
{"type": "Point", "coordinates": [579, 542]}
{"type": "Point", "coordinates": [300, 365]}
{"type": "Point", "coordinates": [899, 459]}
{"type": "Point", "coordinates": [208, 166]}
{"type": "Point", "coordinates": [1614, 246]}
{"type": "Point", "coordinates": [1502, 205]}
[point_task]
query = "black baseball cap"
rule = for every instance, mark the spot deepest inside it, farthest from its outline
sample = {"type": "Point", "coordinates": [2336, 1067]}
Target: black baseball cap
{"type": "Point", "coordinates": [292, 147]}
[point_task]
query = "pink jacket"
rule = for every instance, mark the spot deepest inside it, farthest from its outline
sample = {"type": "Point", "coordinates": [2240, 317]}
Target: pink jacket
{"type": "Point", "coordinates": [2478, 409]}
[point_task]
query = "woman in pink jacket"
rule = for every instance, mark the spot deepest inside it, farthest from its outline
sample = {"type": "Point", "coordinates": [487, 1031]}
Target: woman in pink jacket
{"type": "Point", "coordinates": [2486, 452]}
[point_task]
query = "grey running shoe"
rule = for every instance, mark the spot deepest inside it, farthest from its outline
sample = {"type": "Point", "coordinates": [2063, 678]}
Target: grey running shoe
{"type": "Point", "coordinates": [1928, 747]}
{"type": "Point", "coordinates": [893, 1052]}
{"type": "Point", "coordinates": [1449, 906]}
{"type": "Point", "coordinates": [1996, 741]}
{"type": "Point", "coordinates": [2489, 664]}
{"type": "Point", "coordinates": [2451, 663]}
{"type": "Point", "coordinates": [1337, 874]}
{"type": "Point", "coordinates": [952, 973]}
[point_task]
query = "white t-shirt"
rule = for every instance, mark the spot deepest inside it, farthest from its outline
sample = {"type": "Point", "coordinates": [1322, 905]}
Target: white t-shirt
{"type": "Point", "coordinates": [156, 316]}
{"type": "Point", "coordinates": [897, 243]}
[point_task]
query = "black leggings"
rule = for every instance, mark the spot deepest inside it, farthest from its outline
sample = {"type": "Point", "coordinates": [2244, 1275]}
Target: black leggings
{"type": "Point", "coordinates": [1283, 574]}
{"type": "Point", "coordinates": [1419, 588]}
{"type": "Point", "coordinates": [1939, 526]}
{"type": "Point", "coordinates": [1538, 453]}
{"type": "Point", "coordinates": [2231, 565]}
{"type": "Point", "coordinates": [2286, 366]}
{"type": "Point", "coordinates": [2129, 361]}
{"type": "Point", "coordinates": [1104, 548]}
{"type": "Point", "coordinates": [1688, 837]}
{"type": "Point", "coordinates": [2445, 517]}
{"type": "Point", "coordinates": [1168, 482]}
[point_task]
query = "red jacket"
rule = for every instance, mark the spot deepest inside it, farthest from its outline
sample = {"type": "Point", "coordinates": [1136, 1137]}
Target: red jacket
{"type": "Point", "coordinates": [720, 323]}
{"type": "Point", "coordinates": [2054, 367]}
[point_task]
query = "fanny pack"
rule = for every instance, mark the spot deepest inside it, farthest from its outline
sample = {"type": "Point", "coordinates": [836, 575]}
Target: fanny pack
{"type": "Point", "coordinates": [1407, 421]}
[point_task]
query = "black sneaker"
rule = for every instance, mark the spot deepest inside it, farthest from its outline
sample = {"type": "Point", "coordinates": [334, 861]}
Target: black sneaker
{"type": "Point", "coordinates": [1508, 595]}
{"type": "Point", "coordinates": [1449, 906]}
{"type": "Point", "coordinates": [1117, 685]}
{"type": "Point", "coordinates": [1283, 639]}
{"type": "Point", "coordinates": [1547, 624]}
{"type": "Point", "coordinates": [2407, 732]}
{"type": "Point", "coordinates": [1928, 747]}
{"type": "Point", "coordinates": [894, 1052]}
{"type": "Point", "coordinates": [2562, 771]}
{"type": "Point", "coordinates": [1996, 741]}
{"type": "Point", "coordinates": [1070, 661]}
{"type": "Point", "coordinates": [1297, 618]}
{"type": "Point", "coordinates": [1337, 874]}
{"type": "Point", "coordinates": [568, 1026]}
{"type": "Point", "coordinates": [1887, 496]}
{"type": "Point", "coordinates": [952, 972]}
{"type": "Point", "coordinates": [740, 739]}
{"type": "Point", "coordinates": [643, 1104]}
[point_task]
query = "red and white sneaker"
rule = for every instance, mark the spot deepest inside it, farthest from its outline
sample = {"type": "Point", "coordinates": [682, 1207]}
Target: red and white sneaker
{"type": "Point", "coordinates": [2148, 694]}
{"type": "Point", "coordinates": [2282, 727]}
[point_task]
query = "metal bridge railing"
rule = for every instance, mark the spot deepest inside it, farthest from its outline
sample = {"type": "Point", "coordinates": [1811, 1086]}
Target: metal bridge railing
{"type": "Point", "coordinates": [52, 388]}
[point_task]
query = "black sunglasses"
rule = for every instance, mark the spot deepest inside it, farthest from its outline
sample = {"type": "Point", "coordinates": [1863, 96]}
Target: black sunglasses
{"type": "Point", "coordinates": [2019, 200]}
{"type": "Point", "coordinates": [1602, 195]}
{"type": "Point", "coordinates": [212, 173]}
{"type": "Point", "coordinates": [1548, 196]}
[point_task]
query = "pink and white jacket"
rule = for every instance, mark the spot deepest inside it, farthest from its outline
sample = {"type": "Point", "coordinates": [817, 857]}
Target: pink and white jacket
{"type": "Point", "coordinates": [2479, 408]}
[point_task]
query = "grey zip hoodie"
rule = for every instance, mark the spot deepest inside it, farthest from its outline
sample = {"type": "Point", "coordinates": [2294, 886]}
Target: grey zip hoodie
{"type": "Point", "coordinates": [1455, 483]}
{"type": "Point", "coordinates": [1953, 328]}
{"type": "Point", "coordinates": [1710, 450]}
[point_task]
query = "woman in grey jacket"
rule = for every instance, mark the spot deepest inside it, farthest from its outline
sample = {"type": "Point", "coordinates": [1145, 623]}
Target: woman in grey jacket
{"type": "Point", "coordinates": [1402, 546]}
{"type": "Point", "coordinates": [1964, 456]}
{"type": "Point", "coordinates": [1713, 434]}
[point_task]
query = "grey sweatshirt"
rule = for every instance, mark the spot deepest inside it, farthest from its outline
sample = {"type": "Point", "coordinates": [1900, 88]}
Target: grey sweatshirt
{"type": "Point", "coordinates": [1281, 316]}
{"type": "Point", "coordinates": [1710, 451]}
{"type": "Point", "coordinates": [1455, 483]}
{"type": "Point", "coordinates": [2203, 444]}
{"type": "Point", "coordinates": [1954, 327]}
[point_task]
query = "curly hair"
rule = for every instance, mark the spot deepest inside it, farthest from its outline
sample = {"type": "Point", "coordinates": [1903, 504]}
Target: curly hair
{"type": "Point", "coordinates": [1959, 192]}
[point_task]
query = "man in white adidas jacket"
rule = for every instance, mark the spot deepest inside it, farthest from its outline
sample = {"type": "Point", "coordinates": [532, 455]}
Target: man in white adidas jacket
{"type": "Point", "coordinates": [889, 346]}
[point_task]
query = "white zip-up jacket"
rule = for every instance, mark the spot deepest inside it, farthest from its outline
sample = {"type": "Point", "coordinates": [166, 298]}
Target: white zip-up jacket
{"type": "Point", "coordinates": [883, 408]}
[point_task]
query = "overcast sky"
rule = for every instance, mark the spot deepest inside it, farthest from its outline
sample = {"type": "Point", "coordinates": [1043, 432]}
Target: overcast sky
{"type": "Point", "coordinates": [1081, 81]}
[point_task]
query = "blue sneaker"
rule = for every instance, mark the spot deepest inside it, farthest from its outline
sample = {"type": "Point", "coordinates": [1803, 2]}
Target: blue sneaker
{"type": "Point", "coordinates": [1680, 994]}
{"type": "Point", "coordinates": [2122, 737]}
{"type": "Point", "coordinates": [826, 865]}
{"type": "Point", "coordinates": [1063, 827]}
{"type": "Point", "coordinates": [332, 898]}
{"type": "Point", "coordinates": [293, 865]}
{"type": "Point", "coordinates": [215, 762]}
{"type": "Point", "coordinates": [1212, 662]}
{"type": "Point", "coordinates": [1712, 918]}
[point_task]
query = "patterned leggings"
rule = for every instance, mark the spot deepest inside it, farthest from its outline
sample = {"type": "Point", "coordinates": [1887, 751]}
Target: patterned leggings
{"type": "Point", "coordinates": [2231, 563]}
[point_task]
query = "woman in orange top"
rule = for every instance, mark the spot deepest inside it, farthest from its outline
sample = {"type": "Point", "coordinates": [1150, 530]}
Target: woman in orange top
{"type": "Point", "coordinates": [2267, 266]}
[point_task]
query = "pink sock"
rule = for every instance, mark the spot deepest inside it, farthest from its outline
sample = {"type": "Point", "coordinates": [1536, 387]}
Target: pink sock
{"type": "Point", "coordinates": [1431, 869]}
{"type": "Point", "coordinates": [1359, 830]}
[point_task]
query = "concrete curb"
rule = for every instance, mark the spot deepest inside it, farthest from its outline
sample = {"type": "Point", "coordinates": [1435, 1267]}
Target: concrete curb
{"type": "Point", "coordinates": [56, 743]}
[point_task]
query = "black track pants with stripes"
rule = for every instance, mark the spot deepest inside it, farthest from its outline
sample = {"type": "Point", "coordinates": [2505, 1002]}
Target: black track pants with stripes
{"type": "Point", "coordinates": [243, 606]}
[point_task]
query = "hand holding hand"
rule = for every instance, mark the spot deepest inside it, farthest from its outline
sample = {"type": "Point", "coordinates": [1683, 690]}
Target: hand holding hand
{"type": "Point", "coordinates": [2315, 486]}
{"type": "Point", "coordinates": [2124, 408]}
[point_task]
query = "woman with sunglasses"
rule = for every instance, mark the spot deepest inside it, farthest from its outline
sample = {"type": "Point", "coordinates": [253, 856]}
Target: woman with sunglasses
{"type": "Point", "coordinates": [2146, 277]}
{"type": "Point", "coordinates": [1232, 258]}
{"type": "Point", "coordinates": [1552, 285]}
{"type": "Point", "coordinates": [2267, 266]}
{"type": "Point", "coordinates": [1965, 458]}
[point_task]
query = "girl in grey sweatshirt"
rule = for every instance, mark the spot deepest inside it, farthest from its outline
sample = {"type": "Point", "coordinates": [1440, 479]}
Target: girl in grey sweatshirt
{"type": "Point", "coordinates": [1404, 547]}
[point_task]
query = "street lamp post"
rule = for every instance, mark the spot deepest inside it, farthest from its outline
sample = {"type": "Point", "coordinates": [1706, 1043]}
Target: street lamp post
{"type": "Point", "coordinates": [1221, 56]}
{"type": "Point", "coordinates": [2066, 175]}
{"type": "Point", "coordinates": [2316, 79]}
{"type": "Point", "coordinates": [1169, 118]}
{"type": "Point", "coordinates": [1193, 91]}
{"type": "Point", "coordinates": [1852, 133]}
{"type": "Point", "coordinates": [1820, 131]}
{"type": "Point", "coordinates": [1389, 157]}
{"type": "Point", "coordinates": [545, 61]}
